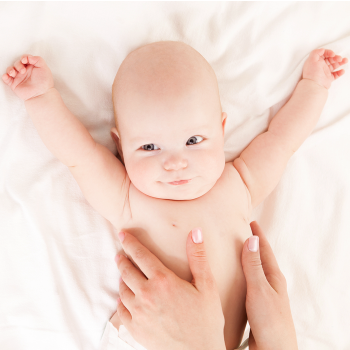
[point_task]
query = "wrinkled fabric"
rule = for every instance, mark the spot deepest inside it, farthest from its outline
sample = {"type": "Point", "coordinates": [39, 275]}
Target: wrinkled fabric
{"type": "Point", "coordinates": [58, 277]}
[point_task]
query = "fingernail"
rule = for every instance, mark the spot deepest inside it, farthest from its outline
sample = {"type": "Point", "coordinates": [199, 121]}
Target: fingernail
{"type": "Point", "coordinates": [253, 243]}
{"type": "Point", "coordinates": [121, 236]}
{"type": "Point", "coordinates": [197, 235]}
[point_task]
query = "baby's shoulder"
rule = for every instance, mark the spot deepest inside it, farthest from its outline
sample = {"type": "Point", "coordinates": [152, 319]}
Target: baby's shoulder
{"type": "Point", "coordinates": [231, 185]}
{"type": "Point", "coordinates": [231, 177]}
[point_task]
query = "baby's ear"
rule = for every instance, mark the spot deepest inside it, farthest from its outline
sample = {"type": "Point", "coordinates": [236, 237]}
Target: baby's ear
{"type": "Point", "coordinates": [116, 139]}
{"type": "Point", "coordinates": [224, 119]}
{"type": "Point", "coordinates": [115, 135]}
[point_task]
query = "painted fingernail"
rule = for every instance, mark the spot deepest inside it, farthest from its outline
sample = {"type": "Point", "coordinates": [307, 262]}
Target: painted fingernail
{"type": "Point", "coordinates": [253, 243]}
{"type": "Point", "coordinates": [197, 235]}
{"type": "Point", "coordinates": [121, 236]}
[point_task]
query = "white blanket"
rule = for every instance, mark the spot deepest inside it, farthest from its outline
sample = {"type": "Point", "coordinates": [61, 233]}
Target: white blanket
{"type": "Point", "coordinates": [58, 278]}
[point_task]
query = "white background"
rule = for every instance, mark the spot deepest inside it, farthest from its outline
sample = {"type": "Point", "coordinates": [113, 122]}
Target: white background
{"type": "Point", "coordinates": [58, 278]}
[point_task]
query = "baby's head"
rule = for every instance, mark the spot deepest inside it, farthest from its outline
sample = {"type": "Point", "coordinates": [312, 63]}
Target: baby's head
{"type": "Point", "coordinates": [169, 121]}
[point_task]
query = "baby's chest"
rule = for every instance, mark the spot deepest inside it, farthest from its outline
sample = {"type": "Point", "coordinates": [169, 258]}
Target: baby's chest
{"type": "Point", "coordinates": [163, 225]}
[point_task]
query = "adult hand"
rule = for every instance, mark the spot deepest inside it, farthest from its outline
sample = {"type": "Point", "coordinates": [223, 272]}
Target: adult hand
{"type": "Point", "coordinates": [162, 311]}
{"type": "Point", "coordinates": [165, 311]}
{"type": "Point", "coordinates": [267, 302]}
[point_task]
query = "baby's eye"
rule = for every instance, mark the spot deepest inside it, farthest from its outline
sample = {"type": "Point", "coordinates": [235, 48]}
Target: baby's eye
{"type": "Point", "coordinates": [193, 140]}
{"type": "Point", "coordinates": [150, 147]}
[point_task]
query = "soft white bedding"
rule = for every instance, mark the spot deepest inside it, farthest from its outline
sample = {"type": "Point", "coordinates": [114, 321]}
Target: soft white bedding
{"type": "Point", "coordinates": [58, 278]}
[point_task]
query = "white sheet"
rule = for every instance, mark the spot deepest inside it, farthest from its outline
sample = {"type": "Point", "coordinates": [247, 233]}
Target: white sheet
{"type": "Point", "coordinates": [58, 278]}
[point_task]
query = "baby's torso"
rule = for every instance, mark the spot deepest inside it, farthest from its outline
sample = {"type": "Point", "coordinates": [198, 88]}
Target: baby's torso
{"type": "Point", "coordinates": [223, 214]}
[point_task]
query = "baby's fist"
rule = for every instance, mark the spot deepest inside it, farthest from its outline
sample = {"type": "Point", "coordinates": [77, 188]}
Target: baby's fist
{"type": "Point", "coordinates": [320, 67]}
{"type": "Point", "coordinates": [29, 77]}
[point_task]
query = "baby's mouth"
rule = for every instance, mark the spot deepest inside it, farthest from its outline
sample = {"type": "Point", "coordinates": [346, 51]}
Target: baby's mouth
{"type": "Point", "coordinates": [180, 182]}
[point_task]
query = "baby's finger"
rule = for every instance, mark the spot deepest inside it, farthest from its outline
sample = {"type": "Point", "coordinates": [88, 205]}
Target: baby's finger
{"type": "Point", "coordinates": [343, 61]}
{"type": "Point", "coordinates": [316, 54]}
{"type": "Point", "coordinates": [11, 71]}
{"type": "Point", "coordinates": [36, 61]}
{"type": "Point", "coordinates": [337, 58]}
{"type": "Point", "coordinates": [7, 79]}
{"type": "Point", "coordinates": [24, 58]}
{"type": "Point", "coordinates": [335, 65]}
{"type": "Point", "coordinates": [338, 73]}
{"type": "Point", "coordinates": [20, 67]}
{"type": "Point", "coordinates": [330, 60]}
{"type": "Point", "coordinates": [329, 53]}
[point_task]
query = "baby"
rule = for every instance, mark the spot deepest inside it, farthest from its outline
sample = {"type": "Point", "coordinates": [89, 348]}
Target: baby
{"type": "Point", "coordinates": [171, 174]}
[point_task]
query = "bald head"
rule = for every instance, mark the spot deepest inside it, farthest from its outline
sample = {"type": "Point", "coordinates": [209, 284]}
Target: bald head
{"type": "Point", "coordinates": [162, 73]}
{"type": "Point", "coordinates": [169, 120]}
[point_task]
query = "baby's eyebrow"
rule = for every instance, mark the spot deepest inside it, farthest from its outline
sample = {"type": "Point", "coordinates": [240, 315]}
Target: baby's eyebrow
{"type": "Point", "coordinates": [139, 138]}
{"type": "Point", "coordinates": [200, 130]}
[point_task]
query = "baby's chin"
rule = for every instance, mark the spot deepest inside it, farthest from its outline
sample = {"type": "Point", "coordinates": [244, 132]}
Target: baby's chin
{"type": "Point", "coordinates": [184, 192]}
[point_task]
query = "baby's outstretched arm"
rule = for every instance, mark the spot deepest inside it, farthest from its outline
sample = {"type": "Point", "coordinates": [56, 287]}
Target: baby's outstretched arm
{"type": "Point", "coordinates": [262, 163]}
{"type": "Point", "coordinates": [98, 172]}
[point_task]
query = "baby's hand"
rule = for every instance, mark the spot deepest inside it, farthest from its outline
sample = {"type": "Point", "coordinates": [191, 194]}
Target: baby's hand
{"type": "Point", "coordinates": [320, 67]}
{"type": "Point", "coordinates": [29, 77]}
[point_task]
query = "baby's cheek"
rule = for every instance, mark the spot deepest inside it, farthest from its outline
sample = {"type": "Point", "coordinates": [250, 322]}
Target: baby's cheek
{"type": "Point", "coordinates": [141, 173]}
{"type": "Point", "coordinates": [212, 164]}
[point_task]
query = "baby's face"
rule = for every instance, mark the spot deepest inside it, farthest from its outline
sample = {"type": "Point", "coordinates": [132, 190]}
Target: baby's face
{"type": "Point", "coordinates": [171, 130]}
{"type": "Point", "coordinates": [183, 141]}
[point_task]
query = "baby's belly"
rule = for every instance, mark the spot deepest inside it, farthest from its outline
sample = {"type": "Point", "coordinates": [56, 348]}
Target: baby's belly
{"type": "Point", "coordinates": [163, 226]}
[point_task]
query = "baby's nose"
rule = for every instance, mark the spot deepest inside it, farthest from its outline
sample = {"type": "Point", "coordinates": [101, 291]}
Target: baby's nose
{"type": "Point", "coordinates": [175, 163]}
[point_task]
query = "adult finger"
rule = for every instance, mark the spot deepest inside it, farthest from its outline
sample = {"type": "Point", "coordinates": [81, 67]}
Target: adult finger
{"type": "Point", "coordinates": [251, 263]}
{"type": "Point", "coordinates": [203, 278]}
{"type": "Point", "coordinates": [123, 313]}
{"type": "Point", "coordinates": [127, 296]}
{"type": "Point", "coordinates": [251, 342]}
{"type": "Point", "coordinates": [268, 260]}
{"type": "Point", "coordinates": [147, 262]}
{"type": "Point", "coordinates": [131, 275]}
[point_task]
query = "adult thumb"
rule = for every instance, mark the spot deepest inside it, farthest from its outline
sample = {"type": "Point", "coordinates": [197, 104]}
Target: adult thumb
{"type": "Point", "coordinates": [251, 263]}
{"type": "Point", "coordinates": [203, 278]}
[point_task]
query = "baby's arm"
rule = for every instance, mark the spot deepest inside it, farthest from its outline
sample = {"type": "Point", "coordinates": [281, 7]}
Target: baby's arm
{"type": "Point", "coordinates": [98, 172]}
{"type": "Point", "coordinates": [262, 163]}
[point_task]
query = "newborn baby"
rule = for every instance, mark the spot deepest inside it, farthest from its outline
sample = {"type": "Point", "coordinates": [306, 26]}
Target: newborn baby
{"type": "Point", "coordinates": [171, 174]}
